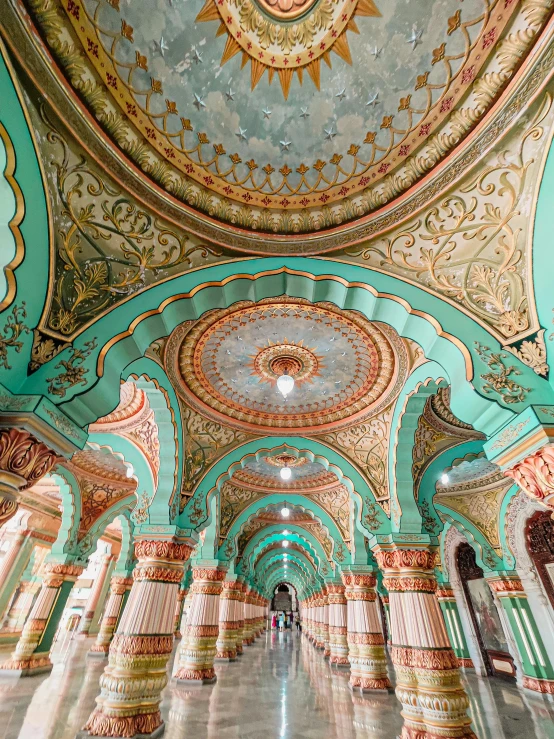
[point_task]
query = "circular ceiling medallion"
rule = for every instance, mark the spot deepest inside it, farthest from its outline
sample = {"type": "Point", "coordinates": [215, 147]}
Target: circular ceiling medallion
{"type": "Point", "coordinates": [286, 10]}
{"type": "Point", "coordinates": [286, 460]}
{"type": "Point", "coordinates": [345, 366]}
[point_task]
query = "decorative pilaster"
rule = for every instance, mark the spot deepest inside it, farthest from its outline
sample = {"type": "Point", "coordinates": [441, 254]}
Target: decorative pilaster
{"type": "Point", "coordinates": [22, 604]}
{"type": "Point", "coordinates": [197, 651]}
{"type": "Point", "coordinates": [366, 644]}
{"type": "Point", "coordinates": [318, 624]}
{"type": "Point", "coordinates": [32, 653]}
{"type": "Point", "coordinates": [338, 643]}
{"type": "Point", "coordinates": [132, 682]}
{"type": "Point", "coordinates": [13, 565]}
{"type": "Point", "coordinates": [23, 461]}
{"type": "Point", "coordinates": [94, 597]}
{"type": "Point", "coordinates": [535, 475]}
{"type": "Point", "coordinates": [181, 595]}
{"type": "Point", "coordinates": [119, 588]}
{"type": "Point", "coordinates": [240, 608]}
{"type": "Point", "coordinates": [247, 634]}
{"type": "Point", "coordinates": [451, 615]}
{"type": "Point", "coordinates": [325, 623]}
{"type": "Point", "coordinates": [537, 668]}
{"type": "Point", "coordinates": [229, 606]}
{"type": "Point", "coordinates": [428, 679]}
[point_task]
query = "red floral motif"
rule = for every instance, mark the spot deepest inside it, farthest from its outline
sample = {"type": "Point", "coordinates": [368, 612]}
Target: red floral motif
{"type": "Point", "coordinates": [468, 75]}
{"type": "Point", "coordinates": [424, 130]}
{"type": "Point", "coordinates": [446, 105]}
{"type": "Point", "coordinates": [489, 38]}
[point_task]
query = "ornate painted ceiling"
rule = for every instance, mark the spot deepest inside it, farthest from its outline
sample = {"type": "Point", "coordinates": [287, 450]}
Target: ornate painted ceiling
{"type": "Point", "coordinates": [266, 118]}
{"type": "Point", "coordinates": [345, 367]}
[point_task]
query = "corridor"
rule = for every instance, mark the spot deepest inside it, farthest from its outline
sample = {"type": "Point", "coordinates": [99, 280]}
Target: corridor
{"type": "Point", "coordinates": [281, 688]}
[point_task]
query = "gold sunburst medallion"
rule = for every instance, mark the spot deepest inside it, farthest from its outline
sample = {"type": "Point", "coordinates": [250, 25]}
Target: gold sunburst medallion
{"type": "Point", "coordinates": [286, 37]}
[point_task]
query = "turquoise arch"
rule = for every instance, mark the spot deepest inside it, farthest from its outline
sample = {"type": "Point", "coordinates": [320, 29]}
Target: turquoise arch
{"type": "Point", "coordinates": [267, 561]}
{"type": "Point", "coordinates": [473, 536]}
{"type": "Point", "coordinates": [122, 507]}
{"type": "Point", "coordinates": [272, 534]}
{"type": "Point", "coordinates": [63, 549]}
{"type": "Point", "coordinates": [297, 501]}
{"type": "Point", "coordinates": [350, 476]}
{"type": "Point", "coordinates": [126, 560]}
{"type": "Point", "coordinates": [166, 305]}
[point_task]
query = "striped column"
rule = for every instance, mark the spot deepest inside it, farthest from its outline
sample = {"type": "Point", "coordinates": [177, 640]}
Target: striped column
{"type": "Point", "coordinates": [119, 588]}
{"type": "Point", "coordinates": [19, 611]}
{"type": "Point", "coordinates": [240, 608]}
{"type": "Point", "coordinates": [32, 653]}
{"type": "Point", "coordinates": [247, 636]}
{"type": "Point", "coordinates": [428, 679]}
{"type": "Point", "coordinates": [338, 644]}
{"type": "Point", "coordinates": [449, 608]}
{"type": "Point", "coordinates": [229, 606]}
{"type": "Point", "coordinates": [325, 624]}
{"type": "Point", "coordinates": [366, 644]}
{"type": "Point", "coordinates": [537, 668]}
{"type": "Point", "coordinates": [195, 662]}
{"type": "Point", "coordinates": [94, 597]}
{"type": "Point", "coordinates": [132, 682]}
{"type": "Point", "coordinates": [181, 595]}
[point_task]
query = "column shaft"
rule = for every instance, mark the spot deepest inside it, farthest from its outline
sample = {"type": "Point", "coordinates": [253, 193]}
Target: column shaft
{"type": "Point", "coordinates": [338, 643]}
{"type": "Point", "coordinates": [366, 644]}
{"type": "Point", "coordinates": [133, 679]}
{"type": "Point", "coordinates": [179, 612]}
{"type": "Point", "coordinates": [240, 608]}
{"type": "Point", "coordinates": [197, 652]}
{"type": "Point", "coordinates": [94, 597]}
{"type": "Point", "coordinates": [449, 608]}
{"type": "Point", "coordinates": [229, 601]}
{"type": "Point", "coordinates": [428, 679]}
{"type": "Point", "coordinates": [119, 588]}
{"type": "Point", "coordinates": [32, 653]}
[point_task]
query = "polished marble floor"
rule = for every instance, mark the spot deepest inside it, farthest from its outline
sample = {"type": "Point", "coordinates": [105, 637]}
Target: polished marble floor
{"type": "Point", "coordinates": [280, 689]}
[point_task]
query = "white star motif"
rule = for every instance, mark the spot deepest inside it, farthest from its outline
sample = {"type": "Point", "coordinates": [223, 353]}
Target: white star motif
{"type": "Point", "coordinates": [304, 113]}
{"type": "Point", "coordinates": [330, 134]}
{"type": "Point", "coordinates": [377, 52]}
{"type": "Point", "coordinates": [341, 95]}
{"type": "Point", "coordinates": [230, 95]}
{"type": "Point", "coordinates": [285, 145]}
{"type": "Point", "coordinates": [241, 134]}
{"type": "Point", "coordinates": [374, 100]}
{"type": "Point", "coordinates": [161, 47]}
{"type": "Point", "coordinates": [415, 38]}
{"type": "Point", "coordinates": [196, 57]}
{"type": "Point", "coordinates": [198, 102]}
{"type": "Point", "coordinates": [266, 113]}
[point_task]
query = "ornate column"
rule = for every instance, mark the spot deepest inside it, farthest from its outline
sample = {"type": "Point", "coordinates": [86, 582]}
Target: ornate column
{"type": "Point", "coordinates": [21, 606]}
{"type": "Point", "coordinates": [386, 609]}
{"type": "Point", "coordinates": [240, 605]}
{"type": "Point", "coordinates": [119, 589]}
{"type": "Point", "coordinates": [94, 597]}
{"type": "Point", "coordinates": [338, 644]}
{"type": "Point", "coordinates": [181, 595]}
{"type": "Point", "coordinates": [13, 565]}
{"type": "Point", "coordinates": [247, 637]}
{"type": "Point", "coordinates": [366, 644]}
{"type": "Point", "coordinates": [229, 601]}
{"type": "Point", "coordinates": [133, 679]}
{"type": "Point", "coordinates": [195, 662]}
{"type": "Point", "coordinates": [325, 623]}
{"type": "Point", "coordinates": [537, 668]}
{"type": "Point", "coordinates": [23, 461]}
{"type": "Point", "coordinates": [428, 679]}
{"type": "Point", "coordinates": [451, 615]}
{"type": "Point", "coordinates": [32, 653]}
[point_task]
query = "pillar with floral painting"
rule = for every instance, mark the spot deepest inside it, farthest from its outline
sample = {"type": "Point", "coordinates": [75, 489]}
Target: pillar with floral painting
{"type": "Point", "coordinates": [132, 682]}
{"type": "Point", "coordinates": [427, 675]}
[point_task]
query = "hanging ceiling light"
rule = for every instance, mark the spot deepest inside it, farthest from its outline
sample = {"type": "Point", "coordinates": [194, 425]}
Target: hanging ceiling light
{"type": "Point", "coordinates": [285, 512]}
{"type": "Point", "coordinates": [285, 543]}
{"type": "Point", "coordinates": [444, 478]}
{"type": "Point", "coordinates": [129, 471]}
{"type": "Point", "coordinates": [285, 384]}
{"type": "Point", "coordinates": [285, 473]}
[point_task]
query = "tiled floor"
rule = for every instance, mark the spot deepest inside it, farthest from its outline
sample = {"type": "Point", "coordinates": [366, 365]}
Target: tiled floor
{"type": "Point", "coordinates": [281, 688]}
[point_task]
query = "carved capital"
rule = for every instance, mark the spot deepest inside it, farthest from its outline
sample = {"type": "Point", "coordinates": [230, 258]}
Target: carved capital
{"type": "Point", "coordinates": [406, 559]}
{"type": "Point", "coordinates": [162, 549]}
{"type": "Point", "coordinates": [535, 475]}
{"type": "Point", "coordinates": [23, 461]}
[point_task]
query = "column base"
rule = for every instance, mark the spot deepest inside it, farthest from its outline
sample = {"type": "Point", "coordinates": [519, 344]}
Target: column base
{"type": "Point", "coordinates": [537, 685]}
{"type": "Point", "coordinates": [193, 680]}
{"type": "Point", "coordinates": [226, 658]}
{"type": "Point", "coordinates": [370, 685]}
{"type": "Point", "coordinates": [84, 734]}
{"type": "Point", "coordinates": [97, 654]}
{"type": "Point", "coordinates": [27, 667]}
{"type": "Point", "coordinates": [341, 662]}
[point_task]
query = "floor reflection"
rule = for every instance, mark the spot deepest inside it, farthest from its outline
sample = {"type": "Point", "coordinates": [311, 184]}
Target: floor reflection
{"type": "Point", "coordinates": [281, 688]}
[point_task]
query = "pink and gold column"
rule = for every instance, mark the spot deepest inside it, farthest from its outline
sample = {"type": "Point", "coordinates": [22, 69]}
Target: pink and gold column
{"type": "Point", "coordinates": [181, 595]}
{"type": "Point", "coordinates": [132, 682]}
{"type": "Point", "coordinates": [229, 612]}
{"type": "Point", "coordinates": [366, 644]}
{"type": "Point", "coordinates": [240, 610]}
{"type": "Point", "coordinates": [195, 662]}
{"type": "Point", "coordinates": [428, 679]}
{"type": "Point", "coordinates": [32, 653]}
{"type": "Point", "coordinates": [338, 643]}
{"type": "Point", "coordinates": [94, 597]}
{"type": "Point", "coordinates": [119, 587]}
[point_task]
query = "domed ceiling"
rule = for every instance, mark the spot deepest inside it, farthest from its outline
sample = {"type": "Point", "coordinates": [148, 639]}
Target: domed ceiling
{"type": "Point", "coordinates": [264, 475]}
{"type": "Point", "coordinates": [345, 367]}
{"type": "Point", "coordinates": [287, 116]}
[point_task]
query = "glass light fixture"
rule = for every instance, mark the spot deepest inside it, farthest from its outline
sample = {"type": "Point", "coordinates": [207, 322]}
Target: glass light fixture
{"type": "Point", "coordinates": [129, 470]}
{"type": "Point", "coordinates": [285, 543]}
{"type": "Point", "coordinates": [285, 532]}
{"type": "Point", "coordinates": [444, 478]}
{"type": "Point", "coordinates": [285, 473]}
{"type": "Point", "coordinates": [285, 384]}
{"type": "Point", "coordinates": [285, 512]}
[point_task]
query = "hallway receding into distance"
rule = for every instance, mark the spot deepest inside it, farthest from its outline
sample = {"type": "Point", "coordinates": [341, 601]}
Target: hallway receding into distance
{"type": "Point", "coordinates": [281, 688]}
